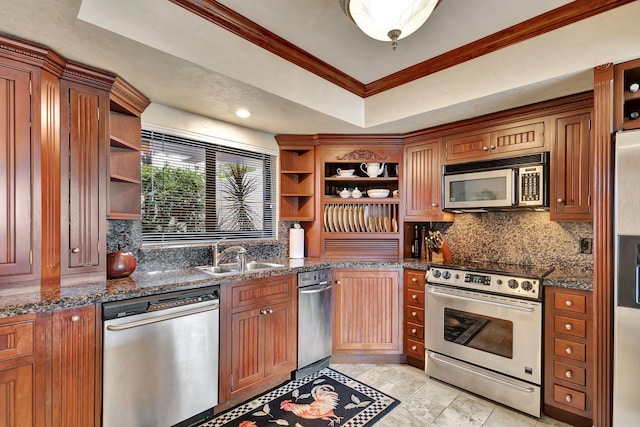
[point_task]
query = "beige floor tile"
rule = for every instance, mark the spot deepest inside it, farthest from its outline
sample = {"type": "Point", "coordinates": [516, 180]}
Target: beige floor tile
{"type": "Point", "coordinates": [503, 417]}
{"type": "Point", "coordinates": [465, 411]}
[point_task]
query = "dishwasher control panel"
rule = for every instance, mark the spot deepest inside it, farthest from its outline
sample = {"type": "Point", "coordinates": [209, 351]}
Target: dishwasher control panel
{"type": "Point", "coordinates": [130, 307]}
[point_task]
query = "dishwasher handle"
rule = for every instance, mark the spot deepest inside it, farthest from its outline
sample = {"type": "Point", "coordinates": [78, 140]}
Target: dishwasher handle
{"type": "Point", "coordinates": [162, 318]}
{"type": "Point", "coordinates": [315, 289]}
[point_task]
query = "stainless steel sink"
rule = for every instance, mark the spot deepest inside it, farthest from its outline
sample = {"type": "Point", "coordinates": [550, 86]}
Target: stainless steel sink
{"type": "Point", "coordinates": [256, 265]}
{"type": "Point", "coordinates": [226, 269]}
{"type": "Point", "coordinates": [219, 270]}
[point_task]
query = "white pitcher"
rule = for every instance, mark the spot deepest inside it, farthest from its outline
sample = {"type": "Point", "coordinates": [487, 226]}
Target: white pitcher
{"type": "Point", "coordinates": [372, 169]}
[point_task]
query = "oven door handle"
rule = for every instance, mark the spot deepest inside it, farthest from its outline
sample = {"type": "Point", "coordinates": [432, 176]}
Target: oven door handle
{"type": "Point", "coordinates": [499, 304]}
{"type": "Point", "coordinates": [432, 356]}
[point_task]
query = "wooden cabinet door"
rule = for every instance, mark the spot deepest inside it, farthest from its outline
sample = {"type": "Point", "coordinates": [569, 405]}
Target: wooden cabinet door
{"type": "Point", "coordinates": [16, 232]}
{"type": "Point", "coordinates": [468, 147]}
{"type": "Point", "coordinates": [423, 184]}
{"type": "Point", "coordinates": [280, 338]}
{"type": "Point", "coordinates": [73, 367]}
{"type": "Point", "coordinates": [17, 398]}
{"type": "Point", "coordinates": [247, 349]}
{"type": "Point", "coordinates": [366, 312]}
{"type": "Point", "coordinates": [570, 186]}
{"type": "Point", "coordinates": [83, 192]}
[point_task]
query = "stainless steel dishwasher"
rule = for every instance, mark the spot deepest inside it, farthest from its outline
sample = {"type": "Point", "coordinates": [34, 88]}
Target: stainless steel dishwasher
{"type": "Point", "coordinates": [160, 359]}
{"type": "Point", "coordinates": [314, 321]}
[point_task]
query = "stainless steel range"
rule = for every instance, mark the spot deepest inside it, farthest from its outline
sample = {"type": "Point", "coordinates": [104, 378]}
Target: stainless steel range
{"type": "Point", "coordinates": [483, 331]}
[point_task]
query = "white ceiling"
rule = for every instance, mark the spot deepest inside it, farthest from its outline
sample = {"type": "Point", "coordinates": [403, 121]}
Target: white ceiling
{"type": "Point", "coordinates": [180, 60]}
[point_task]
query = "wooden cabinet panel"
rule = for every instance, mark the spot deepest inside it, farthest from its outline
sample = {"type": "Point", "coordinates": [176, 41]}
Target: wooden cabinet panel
{"type": "Point", "coordinates": [569, 349]}
{"type": "Point", "coordinates": [571, 373]}
{"type": "Point", "coordinates": [17, 398]}
{"type": "Point", "coordinates": [17, 339]}
{"type": "Point", "coordinates": [568, 325]}
{"type": "Point", "coordinates": [513, 139]}
{"type": "Point", "coordinates": [258, 336]}
{"type": "Point", "coordinates": [468, 147]}
{"type": "Point", "coordinates": [569, 302]}
{"type": "Point", "coordinates": [366, 312]}
{"type": "Point", "coordinates": [16, 182]}
{"type": "Point", "coordinates": [73, 367]}
{"type": "Point", "coordinates": [570, 397]}
{"type": "Point", "coordinates": [423, 181]}
{"type": "Point", "coordinates": [83, 218]}
{"type": "Point", "coordinates": [570, 186]}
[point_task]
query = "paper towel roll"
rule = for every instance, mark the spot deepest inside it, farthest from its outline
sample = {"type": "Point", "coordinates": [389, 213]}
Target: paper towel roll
{"type": "Point", "coordinates": [296, 243]}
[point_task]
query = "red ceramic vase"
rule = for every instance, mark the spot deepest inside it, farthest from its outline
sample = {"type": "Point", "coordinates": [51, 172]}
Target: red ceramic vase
{"type": "Point", "coordinates": [120, 264]}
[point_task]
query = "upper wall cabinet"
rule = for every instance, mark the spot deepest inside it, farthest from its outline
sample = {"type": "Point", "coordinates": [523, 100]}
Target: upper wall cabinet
{"type": "Point", "coordinates": [627, 95]}
{"type": "Point", "coordinates": [297, 201]}
{"type": "Point", "coordinates": [500, 141]}
{"type": "Point", "coordinates": [127, 104]}
{"type": "Point", "coordinates": [570, 186]}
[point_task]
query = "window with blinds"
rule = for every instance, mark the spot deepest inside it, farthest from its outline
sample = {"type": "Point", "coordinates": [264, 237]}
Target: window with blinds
{"type": "Point", "coordinates": [199, 191]}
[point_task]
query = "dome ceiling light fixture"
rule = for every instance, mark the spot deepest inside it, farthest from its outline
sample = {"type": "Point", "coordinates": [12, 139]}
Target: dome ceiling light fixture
{"type": "Point", "coordinates": [386, 20]}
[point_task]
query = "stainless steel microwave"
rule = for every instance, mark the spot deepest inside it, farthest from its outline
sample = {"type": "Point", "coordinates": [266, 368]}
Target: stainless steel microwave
{"type": "Point", "coordinates": [501, 184]}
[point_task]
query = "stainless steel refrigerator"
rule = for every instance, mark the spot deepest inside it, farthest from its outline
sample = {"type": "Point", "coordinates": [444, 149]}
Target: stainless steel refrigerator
{"type": "Point", "coordinates": [626, 358]}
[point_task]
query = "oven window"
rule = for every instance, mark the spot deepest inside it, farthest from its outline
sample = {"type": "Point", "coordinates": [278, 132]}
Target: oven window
{"type": "Point", "coordinates": [480, 332]}
{"type": "Point", "coordinates": [473, 190]}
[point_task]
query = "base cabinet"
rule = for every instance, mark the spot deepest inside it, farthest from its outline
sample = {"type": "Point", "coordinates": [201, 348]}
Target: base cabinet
{"type": "Point", "coordinates": [366, 312]}
{"type": "Point", "coordinates": [258, 337]}
{"type": "Point", "coordinates": [568, 361]}
{"type": "Point", "coordinates": [414, 315]}
{"type": "Point", "coordinates": [74, 371]}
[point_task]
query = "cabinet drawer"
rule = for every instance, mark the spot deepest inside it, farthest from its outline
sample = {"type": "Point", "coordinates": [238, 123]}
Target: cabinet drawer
{"type": "Point", "coordinates": [570, 349]}
{"type": "Point", "coordinates": [16, 339]}
{"type": "Point", "coordinates": [567, 396]}
{"type": "Point", "coordinates": [414, 315]}
{"type": "Point", "coordinates": [568, 325]}
{"type": "Point", "coordinates": [414, 349]}
{"type": "Point", "coordinates": [415, 279]}
{"type": "Point", "coordinates": [414, 331]}
{"type": "Point", "coordinates": [570, 302]}
{"type": "Point", "coordinates": [414, 298]}
{"type": "Point", "coordinates": [566, 372]}
{"type": "Point", "coordinates": [259, 292]}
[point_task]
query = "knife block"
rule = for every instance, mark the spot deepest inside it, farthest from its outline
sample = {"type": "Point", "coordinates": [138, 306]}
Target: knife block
{"type": "Point", "coordinates": [441, 256]}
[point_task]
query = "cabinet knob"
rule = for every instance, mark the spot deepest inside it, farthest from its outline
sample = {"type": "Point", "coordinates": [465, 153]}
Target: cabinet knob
{"type": "Point", "coordinates": [414, 296]}
{"type": "Point", "coordinates": [568, 326]}
{"type": "Point", "coordinates": [568, 374]}
{"type": "Point", "coordinates": [568, 303]}
{"type": "Point", "coordinates": [75, 250]}
{"type": "Point", "coordinates": [560, 200]}
{"type": "Point", "coordinates": [485, 148]}
{"type": "Point", "coordinates": [266, 311]}
{"type": "Point", "coordinates": [434, 205]}
{"type": "Point", "coordinates": [413, 313]}
{"type": "Point", "coordinates": [414, 280]}
{"type": "Point", "coordinates": [414, 347]}
{"type": "Point", "coordinates": [568, 350]}
{"type": "Point", "coordinates": [75, 318]}
{"type": "Point", "coordinates": [568, 398]}
{"type": "Point", "coordinates": [414, 330]}
{"type": "Point", "coordinates": [337, 282]}
{"type": "Point", "coordinates": [270, 311]}
{"type": "Point", "coordinates": [493, 147]}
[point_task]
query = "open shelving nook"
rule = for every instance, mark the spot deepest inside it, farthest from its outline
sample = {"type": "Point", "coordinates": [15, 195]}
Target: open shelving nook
{"type": "Point", "coordinates": [627, 102]}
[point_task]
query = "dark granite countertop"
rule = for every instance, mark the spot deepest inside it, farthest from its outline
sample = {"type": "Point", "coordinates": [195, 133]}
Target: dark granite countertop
{"type": "Point", "coordinates": [27, 298]}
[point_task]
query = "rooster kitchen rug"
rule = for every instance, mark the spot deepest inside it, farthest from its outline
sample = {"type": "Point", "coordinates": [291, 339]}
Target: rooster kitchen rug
{"type": "Point", "coordinates": [324, 399]}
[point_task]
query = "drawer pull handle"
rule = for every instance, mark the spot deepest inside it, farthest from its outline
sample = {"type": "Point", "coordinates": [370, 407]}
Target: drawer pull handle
{"type": "Point", "coordinates": [568, 303]}
{"type": "Point", "coordinates": [414, 296]}
{"type": "Point", "coordinates": [414, 348]}
{"type": "Point", "coordinates": [568, 374]}
{"type": "Point", "coordinates": [414, 330]}
{"type": "Point", "coordinates": [568, 398]}
{"type": "Point", "coordinates": [569, 350]}
{"type": "Point", "coordinates": [568, 326]}
{"type": "Point", "coordinates": [414, 280]}
{"type": "Point", "coordinates": [75, 318]}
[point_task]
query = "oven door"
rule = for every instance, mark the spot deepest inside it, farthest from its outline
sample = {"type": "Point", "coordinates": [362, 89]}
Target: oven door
{"type": "Point", "coordinates": [473, 190]}
{"type": "Point", "coordinates": [494, 332]}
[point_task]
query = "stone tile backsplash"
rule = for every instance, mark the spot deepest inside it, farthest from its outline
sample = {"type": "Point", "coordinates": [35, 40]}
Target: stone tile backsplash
{"type": "Point", "coordinates": [528, 238]}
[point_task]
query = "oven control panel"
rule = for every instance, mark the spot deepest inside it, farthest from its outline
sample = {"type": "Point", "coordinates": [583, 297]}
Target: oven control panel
{"type": "Point", "coordinates": [502, 284]}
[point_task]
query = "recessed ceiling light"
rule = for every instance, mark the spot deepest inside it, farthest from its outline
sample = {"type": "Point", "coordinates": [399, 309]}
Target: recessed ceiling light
{"type": "Point", "coordinates": [241, 112]}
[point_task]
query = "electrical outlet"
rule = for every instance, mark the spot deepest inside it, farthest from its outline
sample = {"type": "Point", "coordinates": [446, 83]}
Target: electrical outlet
{"type": "Point", "coordinates": [586, 245]}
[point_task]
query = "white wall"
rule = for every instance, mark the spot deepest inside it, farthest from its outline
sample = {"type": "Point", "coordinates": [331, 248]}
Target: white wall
{"type": "Point", "coordinates": [158, 117]}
